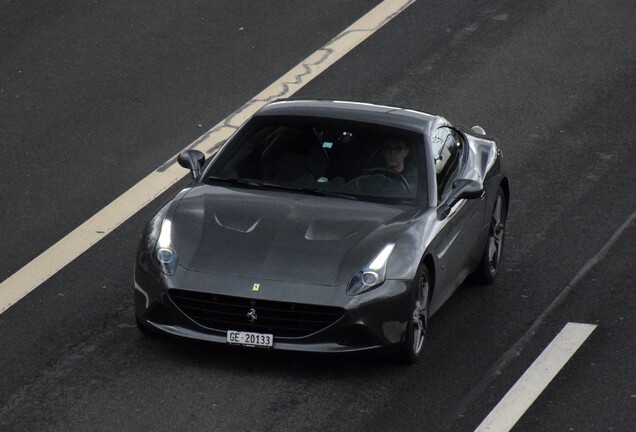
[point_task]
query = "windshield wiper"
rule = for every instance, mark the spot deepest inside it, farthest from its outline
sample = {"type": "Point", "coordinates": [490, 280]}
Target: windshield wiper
{"type": "Point", "coordinates": [235, 181]}
{"type": "Point", "coordinates": [335, 194]}
{"type": "Point", "coordinates": [310, 191]}
{"type": "Point", "coordinates": [258, 185]}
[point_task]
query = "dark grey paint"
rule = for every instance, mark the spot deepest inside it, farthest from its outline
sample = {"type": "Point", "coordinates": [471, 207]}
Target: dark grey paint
{"type": "Point", "coordinates": [306, 249]}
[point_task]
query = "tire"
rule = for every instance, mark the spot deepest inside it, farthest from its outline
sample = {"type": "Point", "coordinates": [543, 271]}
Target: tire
{"type": "Point", "coordinates": [488, 268]}
{"type": "Point", "coordinates": [417, 325]}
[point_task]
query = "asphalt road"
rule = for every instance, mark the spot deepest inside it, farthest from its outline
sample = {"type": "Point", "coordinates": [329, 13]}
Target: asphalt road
{"type": "Point", "coordinates": [95, 95]}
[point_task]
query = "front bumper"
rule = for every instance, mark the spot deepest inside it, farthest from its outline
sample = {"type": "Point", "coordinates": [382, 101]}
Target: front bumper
{"type": "Point", "coordinates": [371, 320]}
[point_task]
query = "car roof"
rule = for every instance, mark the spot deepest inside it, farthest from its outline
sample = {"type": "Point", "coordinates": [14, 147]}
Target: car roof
{"type": "Point", "coordinates": [355, 111]}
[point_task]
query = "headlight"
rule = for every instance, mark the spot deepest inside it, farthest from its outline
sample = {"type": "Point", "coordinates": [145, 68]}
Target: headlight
{"type": "Point", "coordinates": [373, 274]}
{"type": "Point", "coordinates": [164, 254]}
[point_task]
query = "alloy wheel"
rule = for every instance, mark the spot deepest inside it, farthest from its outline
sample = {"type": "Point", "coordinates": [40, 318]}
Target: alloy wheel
{"type": "Point", "coordinates": [420, 314]}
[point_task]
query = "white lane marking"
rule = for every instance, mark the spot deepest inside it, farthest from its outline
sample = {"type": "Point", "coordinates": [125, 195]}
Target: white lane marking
{"type": "Point", "coordinates": [514, 351]}
{"type": "Point", "coordinates": [110, 217]}
{"type": "Point", "coordinates": [523, 394]}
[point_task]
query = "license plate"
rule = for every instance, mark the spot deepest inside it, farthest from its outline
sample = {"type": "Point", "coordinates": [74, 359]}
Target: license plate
{"type": "Point", "coordinates": [250, 339]}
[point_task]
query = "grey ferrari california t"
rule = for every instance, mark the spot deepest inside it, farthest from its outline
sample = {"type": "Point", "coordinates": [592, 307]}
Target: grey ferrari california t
{"type": "Point", "coordinates": [324, 226]}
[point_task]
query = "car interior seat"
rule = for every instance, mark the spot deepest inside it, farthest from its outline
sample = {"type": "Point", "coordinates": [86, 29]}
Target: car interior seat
{"type": "Point", "coordinates": [291, 156]}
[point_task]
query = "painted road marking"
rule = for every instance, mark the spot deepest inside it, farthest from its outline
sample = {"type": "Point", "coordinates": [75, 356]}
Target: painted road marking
{"type": "Point", "coordinates": [110, 217]}
{"type": "Point", "coordinates": [513, 352]}
{"type": "Point", "coordinates": [523, 394]}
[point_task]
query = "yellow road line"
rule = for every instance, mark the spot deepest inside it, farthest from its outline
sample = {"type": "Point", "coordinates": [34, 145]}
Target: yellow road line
{"type": "Point", "coordinates": [117, 212]}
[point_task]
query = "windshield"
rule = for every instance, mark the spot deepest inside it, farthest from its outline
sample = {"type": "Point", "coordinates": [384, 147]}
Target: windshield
{"type": "Point", "coordinates": [323, 156]}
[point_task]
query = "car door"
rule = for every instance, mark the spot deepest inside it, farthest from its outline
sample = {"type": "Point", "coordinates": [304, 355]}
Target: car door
{"type": "Point", "coordinates": [456, 251]}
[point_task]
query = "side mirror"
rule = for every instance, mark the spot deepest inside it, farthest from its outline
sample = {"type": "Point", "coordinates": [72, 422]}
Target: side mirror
{"type": "Point", "coordinates": [462, 189]}
{"type": "Point", "coordinates": [193, 160]}
{"type": "Point", "coordinates": [478, 129]}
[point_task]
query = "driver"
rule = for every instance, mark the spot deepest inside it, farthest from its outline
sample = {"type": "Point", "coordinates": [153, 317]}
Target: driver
{"type": "Point", "coordinates": [395, 151]}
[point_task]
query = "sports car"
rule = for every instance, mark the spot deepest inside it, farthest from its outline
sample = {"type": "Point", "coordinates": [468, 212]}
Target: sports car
{"type": "Point", "coordinates": [324, 226]}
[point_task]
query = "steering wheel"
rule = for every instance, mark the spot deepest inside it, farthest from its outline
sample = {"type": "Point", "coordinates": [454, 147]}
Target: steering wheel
{"type": "Point", "coordinates": [389, 173]}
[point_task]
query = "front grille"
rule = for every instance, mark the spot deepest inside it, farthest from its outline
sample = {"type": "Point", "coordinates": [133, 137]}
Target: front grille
{"type": "Point", "coordinates": [282, 319]}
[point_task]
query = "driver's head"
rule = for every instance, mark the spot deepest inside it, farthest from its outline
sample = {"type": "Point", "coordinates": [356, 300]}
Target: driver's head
{"type": "Point", "coordinates": [394, 150]}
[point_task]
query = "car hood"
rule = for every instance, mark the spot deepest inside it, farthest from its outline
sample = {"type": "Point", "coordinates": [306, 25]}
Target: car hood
{"type": "Point", "coordinates": [281, 236]}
